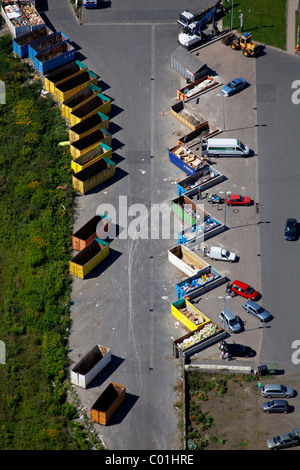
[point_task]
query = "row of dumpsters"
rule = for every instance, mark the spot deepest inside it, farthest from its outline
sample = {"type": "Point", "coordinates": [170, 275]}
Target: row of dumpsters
{"type": "Point", "coordinates": [86, 110]}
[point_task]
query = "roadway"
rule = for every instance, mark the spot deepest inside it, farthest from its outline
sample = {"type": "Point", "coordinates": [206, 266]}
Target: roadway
{"type": "Point", "coordinates": [125, 304]}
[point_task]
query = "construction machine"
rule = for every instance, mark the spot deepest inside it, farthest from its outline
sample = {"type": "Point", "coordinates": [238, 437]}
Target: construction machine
{"type": "Point", "coordinates": [192, 34]}
{"type": "Point", "coordinates": [245, 44]}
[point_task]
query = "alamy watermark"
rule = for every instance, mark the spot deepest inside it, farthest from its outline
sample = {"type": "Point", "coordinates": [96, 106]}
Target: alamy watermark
{"type": "Point", "coordinates": [296, 93]}
{"type": "Point", "coordinates": [142, 222]}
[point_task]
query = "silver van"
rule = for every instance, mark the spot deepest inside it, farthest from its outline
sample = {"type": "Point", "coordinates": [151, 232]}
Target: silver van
{"type": "Point", "coordinates": [231, 321]}
{"type": "Point", "coordinates": [224, 148]}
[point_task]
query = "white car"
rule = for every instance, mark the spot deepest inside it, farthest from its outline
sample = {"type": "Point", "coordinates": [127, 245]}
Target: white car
{"type": "Point", "coordinates": [221, 254]}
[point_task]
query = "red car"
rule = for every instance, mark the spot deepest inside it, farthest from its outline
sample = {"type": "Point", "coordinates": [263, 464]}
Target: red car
{"type": "Point", "coordinates": [238, 200]}
{"type": "Point", "coordinates": [242, 289]}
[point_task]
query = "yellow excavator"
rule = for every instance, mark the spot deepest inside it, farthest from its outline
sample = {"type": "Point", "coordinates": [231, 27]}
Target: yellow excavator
{"type": "Point", "coordinates": [246, 45]}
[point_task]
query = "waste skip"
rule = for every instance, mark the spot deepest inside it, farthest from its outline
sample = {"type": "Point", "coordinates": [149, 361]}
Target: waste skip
{"type": "Point", "coordinates": [90, 365]}
{"type": "Point", "coordinates": [93, 175]}
{"type": "Point", "coordinates": [69, 87]}
{"type": "Point", "coordinates": [98, 103]}
{"type": "Point", "coordinates": [54, 57]}
{"type": "Point", "coordinates": [21, 43]}
{"type": "Point", "coordinates": [80, 146]}
{"type": "Point", "coordinates": [91, 156]}
{"type": "Point", "coordinates": [97, 227]}
{"type": "Point", "coordinates": [108, 403]}
{"type": "Point", "coordinates": [89, 125]}
{"type": "Point", "coordinates": [78, 99]}
{"type": "Point", "coordinates": [65, 72]}
{"type": "Point", "coordinates": [46, 42]}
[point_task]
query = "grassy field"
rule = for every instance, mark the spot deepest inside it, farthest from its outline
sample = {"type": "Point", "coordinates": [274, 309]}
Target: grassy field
{"type": "Point", "coordinates": [265, 20]}
{"type": "Point", "coordinates": [36, 224]}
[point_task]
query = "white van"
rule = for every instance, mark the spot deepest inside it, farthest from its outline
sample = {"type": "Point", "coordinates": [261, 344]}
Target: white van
{"type": "Point", "coordinates": [221, 254]}
{"type": "Point", "coordinates": [224, 148]}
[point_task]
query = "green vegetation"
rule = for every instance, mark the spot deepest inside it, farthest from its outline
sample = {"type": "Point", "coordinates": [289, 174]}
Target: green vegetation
{"type": "Point", "coordinates": [200, 388]}
{"type": "Point", "coordinates": [36, 219]}
{"type": "Point", "coordinates": [266, 20]}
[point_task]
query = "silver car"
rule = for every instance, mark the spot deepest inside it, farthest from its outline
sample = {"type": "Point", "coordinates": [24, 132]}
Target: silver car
{"type": "Point", "coordinates": [277, 391]}
{"type": "Point", "coordinates": [276, 406]}
{"type": "Point", "coordinates": [231, 321]}
{"type": "Point", "coordinates": [257, 310]}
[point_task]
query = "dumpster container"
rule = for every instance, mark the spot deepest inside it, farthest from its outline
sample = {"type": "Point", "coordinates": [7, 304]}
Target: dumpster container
{"type": "Point", "coordinates": [90, 365]}
{"type": "Point", "coordinates": [187, 314]}
{"type": "Point", "coordinates": [204, 281]}
{"type": "Point", "coordinates": [44, 43]}
{"type": "Point", "coordinates": [186, 160]}
{"type": "Point", "coordinates": [69, 87]}
{"type": "Point", "coordinates": [54, 57]}
{"type": "Point", "coordinates": [200, 181]}
{"type": "Point", "coordinates": [99, 103]}
{"type": "Point", "coordinates": [81, 146]}
{"type": "Point", "coordinates": [88, 258]}
{"type": "Point", "coordinates": [89, 125]}
{"type": "Point", "coordinates": [199, 86]}
{"type": "Point", "coordinates": [108, 403]}
{"type": "Point", "coordinates": [21, 43]}
{"type": "Point", "coordinates": [93, 175]}
{"type": "Point", "coordinates": [91, 156]}
{"type": "Point", "coordinates": [15, 19]}
{"type": "Point", "coordinates": [62, 73]}
{"type": "Point", "coordinates": [81, 97]}
{"type": "Point", "coordinates": [97, 227]}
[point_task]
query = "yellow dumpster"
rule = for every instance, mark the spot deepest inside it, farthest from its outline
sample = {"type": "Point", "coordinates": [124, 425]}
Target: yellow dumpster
{"type": "Point", "coordinates": [88, 258]}
{"type": "Point", "coordinates": [91, 156]}
{"type": "Point", "coordinates": [81, 97]}
{"type": "Point", "coordinates": [69, 87]}
{"type": "Point", "coordinates": [63, 73]}
{"type": "Point", "coordinates": [93, 175]}
{"type": "Point", "coordinates": [89, 125]}
{"type": "Point", "coordinates": [81, 146]}
{"type": "Point", "coordinates": [99, 103]}
{"type": "Point", "coordinates": [187, 314]}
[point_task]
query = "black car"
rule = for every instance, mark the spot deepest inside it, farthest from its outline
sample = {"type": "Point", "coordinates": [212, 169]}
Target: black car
{"type": "Point", "coordinates": [290, 232]}
{"type": "Point", "coordinates": [237, 350]}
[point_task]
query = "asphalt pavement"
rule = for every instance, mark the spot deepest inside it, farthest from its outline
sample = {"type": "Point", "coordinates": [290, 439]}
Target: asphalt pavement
{"type": "Point", "coordinates": [125, 303]}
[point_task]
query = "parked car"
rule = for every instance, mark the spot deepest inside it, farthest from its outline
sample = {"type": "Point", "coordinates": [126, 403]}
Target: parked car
{"type": "Point", "coordinates": [277, 391]}
{"type": "Point", "coordinates": [237, 350]}
{"type": "Point", "coordinates": [237, 200]}
{"type": "Point", "coordinates": [221, 254]}
{"type": "Point", "coordinates": [231, 321]}
{"type": "Point", "coordinates": [290, 231]}
{"type": "Point", "coordinates": [276, 406]}
{"type": "Point", "coordinates": [289, 439]}
{"type": "Point", "coordinates": [242, 289]}
{"type": "Point", "coordinates": [235, 85]}
{"type": "Point", "coordinates": [257, 310]}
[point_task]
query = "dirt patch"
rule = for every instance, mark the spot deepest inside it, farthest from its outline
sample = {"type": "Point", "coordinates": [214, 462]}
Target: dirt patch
{"type": "Point", "coordinates": [227, 414]}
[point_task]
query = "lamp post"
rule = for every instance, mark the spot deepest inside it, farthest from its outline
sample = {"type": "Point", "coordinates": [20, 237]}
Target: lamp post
{"type": "Point", "coordinates": [224, 298]}
{"type": "Point", "coordinates": [225, 195]}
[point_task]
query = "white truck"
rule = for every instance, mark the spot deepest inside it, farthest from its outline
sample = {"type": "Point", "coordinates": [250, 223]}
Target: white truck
{"type": "Point", "coordinates": [220, 254]}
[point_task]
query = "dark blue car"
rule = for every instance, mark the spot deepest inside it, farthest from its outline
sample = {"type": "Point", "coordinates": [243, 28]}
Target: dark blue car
{"type": "Point", "coordinates": [290, 232]}
{"type": "Point", "coordinates": [234, 86]}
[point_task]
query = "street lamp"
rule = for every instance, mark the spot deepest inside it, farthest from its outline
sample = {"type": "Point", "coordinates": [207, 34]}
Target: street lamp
{"type": "Point", "coordinates": [225, 194]}
{"type": "Point", "coordinates": [221, 94]}
{"type": "Point", "coordinates": [224, 298]}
